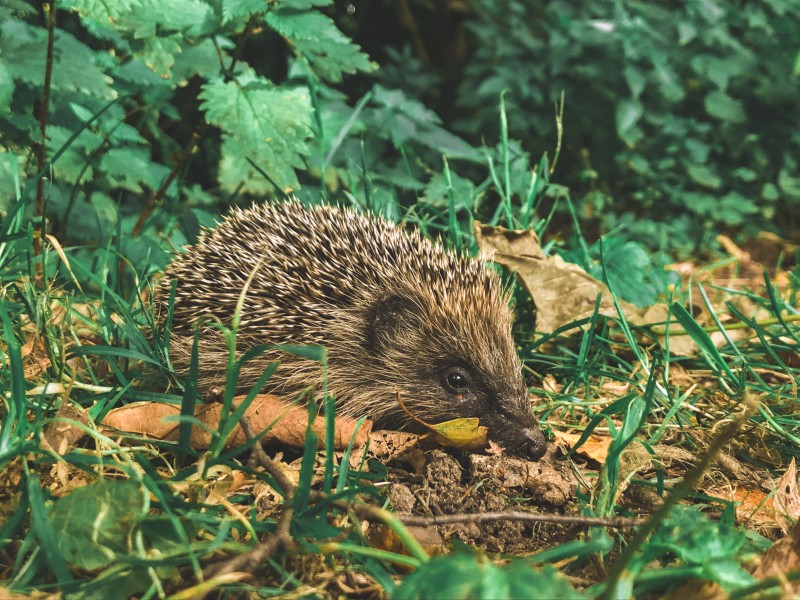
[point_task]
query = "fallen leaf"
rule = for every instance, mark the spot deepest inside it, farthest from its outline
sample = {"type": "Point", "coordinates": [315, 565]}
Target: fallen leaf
{"type": "Point", "coordinates": [787, 497]}
{"type": "Point", "coordinates": [595, 447]}
{"type": "Point", "coordinates": [60, 435]}
{"type": "Point", "coordinates": [464, 434]}
{"type": "Point", "coordinates": [148, 419]}
{"type": "Point", "coordinates": [783, 557]}
{"type": "Point", "coordinates": [561, 291]}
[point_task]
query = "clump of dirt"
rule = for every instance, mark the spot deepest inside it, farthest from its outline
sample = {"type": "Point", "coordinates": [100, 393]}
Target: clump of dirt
{"type": "Point", "coordinates": [475, 484]}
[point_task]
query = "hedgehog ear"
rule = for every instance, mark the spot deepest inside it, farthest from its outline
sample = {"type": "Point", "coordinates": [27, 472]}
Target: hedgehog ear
{"type": "Point", "coordinates": [390, 319]}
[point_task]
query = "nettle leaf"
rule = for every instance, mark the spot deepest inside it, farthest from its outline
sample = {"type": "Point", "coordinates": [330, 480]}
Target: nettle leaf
{"type": "Point", "coordinates": [629, 270]}
{"type": "Point", "coordinates": [10, 179]}
{"type": "Point", "coordinates": [316, 37]}
{"type": "Point", "coordinates": [262, 122]}
{"type": "Point", "coordinates": [719, 70]}
{"type": "Point", "coordinates": [734, 208]}
{"type": "Point", "coordinates": [71, 165]}
{"type": "Point", "coordinates": [6, 87]}
{"type": "Point", "coordinates": [155, 30]}
{"type": "Point", "coordinates": [407, 120]}
{"type": "Point", "coordinates": [238, 9]}
{"type": "Point", "coordinates": [720, 105]}
{"type": "Point", "coordinates": [102, 11]}
{"type": "Point", "coordinates": [158, 53]}
{"type": "Point", "coordinates": [74, 65]}
{"type": "Point", "coordinates": [126, 167]}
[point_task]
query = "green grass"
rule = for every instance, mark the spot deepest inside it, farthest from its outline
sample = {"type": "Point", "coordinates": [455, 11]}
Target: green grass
{"type": "Point", "coordinates": [139, 517]}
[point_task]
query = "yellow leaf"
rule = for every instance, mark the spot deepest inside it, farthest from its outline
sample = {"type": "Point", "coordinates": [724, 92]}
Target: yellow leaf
{"type": "Point", "coordinates": [464, 434]}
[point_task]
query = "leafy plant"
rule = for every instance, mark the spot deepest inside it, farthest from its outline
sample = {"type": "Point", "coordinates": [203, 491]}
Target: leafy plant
{"type": "Point", "coordinates": [680, 120]}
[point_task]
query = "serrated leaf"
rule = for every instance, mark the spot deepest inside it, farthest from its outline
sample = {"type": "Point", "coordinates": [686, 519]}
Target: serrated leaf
{"type": "Point", "coordinates": [74, 65]}
{"type": "Point", "coordinates": [241, 9]}
{"type": "Point", "coordinates": [406, 119]}
{"type": "Point", "coordinates": [628, 267]}
{"type": "Point", "coordinates": [156, 31]}
{"type": "Point", "coordinates": [72, 164]}
{"type": "Point", "coordinates": [720, 105]}
{"type": "Point", "coordinates": [10, 182]}
{"type": "Point", "coordinates": [316, 37]}
{"type": "Point", "coordinates": [101, 11]}
{"type": "Point", "coordinates": [126, 167]}
{"type": "Point", "coordinates": [92, 523]}
{"type": "Point", "coordinates": [158, 53]}
{"type": "Point", "coordinates": [262, 122]}
{"type": "Point", "coordinates": [6, 87]}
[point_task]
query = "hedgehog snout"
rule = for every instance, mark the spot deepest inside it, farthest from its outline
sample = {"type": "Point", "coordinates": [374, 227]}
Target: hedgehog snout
{"type": "Point", "coordinates": [517, 429]}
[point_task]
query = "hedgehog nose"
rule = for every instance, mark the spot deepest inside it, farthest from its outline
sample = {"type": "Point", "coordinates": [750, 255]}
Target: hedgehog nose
{"type": "Point", "coordinates": [533, 443]}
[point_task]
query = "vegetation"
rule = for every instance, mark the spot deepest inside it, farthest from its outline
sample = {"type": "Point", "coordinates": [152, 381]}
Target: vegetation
{"type": "Point", "coordinates": [628, 136]}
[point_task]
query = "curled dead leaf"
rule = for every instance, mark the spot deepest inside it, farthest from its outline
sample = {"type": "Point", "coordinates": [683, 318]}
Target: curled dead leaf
{"type": "Point", "coordinates": [561, 291]}
{"type": "Point", "coordinates": [148, 419]}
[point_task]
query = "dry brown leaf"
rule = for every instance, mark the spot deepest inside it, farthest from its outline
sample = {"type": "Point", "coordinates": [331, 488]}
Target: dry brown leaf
{"type": "Point", "coordinates": [147, 418]}
{"type": "Point", "coordinates": [389, 446]}
{"type": "Point", "coordinates": [385, 538]}
{"type": "Point", "coordinates": [699, 589]}
{"type": "Point", "coordinates": [787, 498]}
{"type": "Point", "coordinates": [561, 291]}
{"type": "Point", "coordinates": [60, 436]}
{"type": "Point", "coordinates": [752, 506]}
{"type": "Point", "coordinates": [781, 558]}
{"type": "Point", "coordinates": [595, 447]}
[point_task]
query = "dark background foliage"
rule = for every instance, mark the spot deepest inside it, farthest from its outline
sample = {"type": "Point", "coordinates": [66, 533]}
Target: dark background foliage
{"type": "Point", "coordinates": [679, 122]}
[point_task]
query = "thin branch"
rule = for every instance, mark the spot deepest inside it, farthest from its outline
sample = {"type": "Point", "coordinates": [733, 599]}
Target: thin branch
{"type": "Point", "coordinates": [173, 174]}
{"type": "Point", "coordinates": [518, 515]}
{"type": "Point", "coordinates": [280, 540]}
{"type": "Point", "coordinates": [44, 109]}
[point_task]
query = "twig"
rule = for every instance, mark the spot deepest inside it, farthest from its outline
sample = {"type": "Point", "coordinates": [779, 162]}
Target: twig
{"type": "Point", "coordinates": [280, 540]}
{"type": "Point", "coordinates": [518, 515]}
{"type": "Point", "coordinates": [44, 109]}
{"type": "Point", "coordinates": [197, 135]}
{"type": "Point", "coordinates": [406, 17]}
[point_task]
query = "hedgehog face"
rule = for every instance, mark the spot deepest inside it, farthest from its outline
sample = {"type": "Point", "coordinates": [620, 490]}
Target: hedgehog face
{"type": "Point", "coordinates": [445, 367]}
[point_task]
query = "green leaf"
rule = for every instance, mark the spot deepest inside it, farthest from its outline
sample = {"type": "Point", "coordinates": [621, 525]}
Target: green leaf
{"type": "Point", "coordinates": [74, 64]}
{"type": "Point", "coordinates": [6, 88]}
{"type": "Point", "coordinates": [628, 114]}
{"type": "Point", "coordinates": [316, 37]}
{"type": "Point", "coordinates": [466, 576]}
{"type": "Point", "coordinates": [71, 165]}
{"type": "Point", "coordinates": [720, 105]}
{"type": "Point", "coordinates": [93, 523]}
{"type": "Point", "coordinates": [702, 339]}
{"type": "Point", "coordinates": [697, 540]}
{"type": "Point", "coordinates": [241, 9]}
{"type": "Point", "coordinates": [156, 31]}
{"type": "Point", "coordinates": [10, 184]}
{"type": "Point", "coordinates": [270, 126]}
{"type": "Point", "coordinates": [704, 175]}
{"type": "Point", "coordinates": [126, 167]}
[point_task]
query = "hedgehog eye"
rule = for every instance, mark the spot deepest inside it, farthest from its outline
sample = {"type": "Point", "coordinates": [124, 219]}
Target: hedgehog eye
{"type": "Point", "coordinates": [456, 380]}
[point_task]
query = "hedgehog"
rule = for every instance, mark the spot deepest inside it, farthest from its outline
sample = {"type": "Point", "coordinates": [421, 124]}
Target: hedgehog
{"type": "Point", "coordinates": [398, 314]}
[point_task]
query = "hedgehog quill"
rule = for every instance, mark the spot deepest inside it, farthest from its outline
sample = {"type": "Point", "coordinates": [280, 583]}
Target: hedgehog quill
{"type": "Point", "coordinates": [396, 313]}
